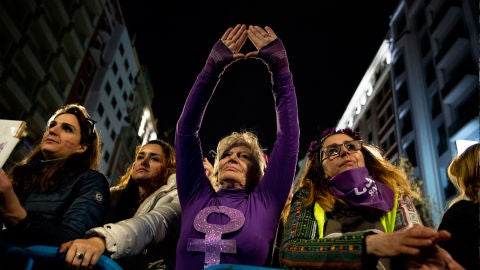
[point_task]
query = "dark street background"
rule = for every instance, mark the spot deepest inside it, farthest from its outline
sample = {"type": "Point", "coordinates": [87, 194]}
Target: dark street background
{"type": "Point", "coordinates": [330, 45]}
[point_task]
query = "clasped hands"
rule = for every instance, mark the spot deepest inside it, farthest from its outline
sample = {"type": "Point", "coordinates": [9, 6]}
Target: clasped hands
{"type": "Point", "coordinates": [418, 246]}
{"type": "Point", "coordinates": [234, 38]}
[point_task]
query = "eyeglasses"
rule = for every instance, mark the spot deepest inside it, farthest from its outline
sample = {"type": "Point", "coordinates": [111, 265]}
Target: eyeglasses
{"type": "Point", "coordinates": [334, 149]}
{"type": "Point", "coordinates": [92, 123]}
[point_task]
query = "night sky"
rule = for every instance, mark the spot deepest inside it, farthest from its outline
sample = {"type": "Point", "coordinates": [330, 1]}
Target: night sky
{"type": "Point", "coordinates": [330, 45]}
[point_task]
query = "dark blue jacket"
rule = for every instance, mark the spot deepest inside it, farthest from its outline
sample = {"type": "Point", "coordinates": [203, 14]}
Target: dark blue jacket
{"type": "Point", "coordinates": [64, 214]}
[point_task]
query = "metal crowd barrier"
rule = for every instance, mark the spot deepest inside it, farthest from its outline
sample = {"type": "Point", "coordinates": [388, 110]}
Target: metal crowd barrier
{"type": "Point", "coordinates": [48, 254]}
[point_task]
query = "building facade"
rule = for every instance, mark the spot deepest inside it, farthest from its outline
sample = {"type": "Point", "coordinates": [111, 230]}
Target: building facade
{"type": "Point", "coordinates": [58, 52]}
{"type": "Point", "coordinates": [426, 108]}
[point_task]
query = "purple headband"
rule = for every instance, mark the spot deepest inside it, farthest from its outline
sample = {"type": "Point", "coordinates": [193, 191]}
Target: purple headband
{"type": "Point", "coordinates": [316, 145]}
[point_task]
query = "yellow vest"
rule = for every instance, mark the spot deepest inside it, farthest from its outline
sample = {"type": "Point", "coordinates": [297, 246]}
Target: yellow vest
{"type": "Point", "coordinates": [387, 220]}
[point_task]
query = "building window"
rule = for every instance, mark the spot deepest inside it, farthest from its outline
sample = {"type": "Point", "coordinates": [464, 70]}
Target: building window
{"type": "Point", "coordinates": [442, 145]}
{"type": "Point", "coordinates": [130, 78]}
{"type": "Point", "coordinates": [113, 134]}
{"type": "Point", "coordinates": [100, 109]}
{"type": "Point", "coordinates": [121, 49]}
{"type": "Point", "coordinates": [115, 68]}
{"type": "Point", "coordinates": [108, 88]}
{"type": "Point", "coordinates": [391, 138]}
{"type": "Point", "coordinates": [436, 106]}
{"type": "Point", "coordinates": [390, 110]}
{"type": "Point", "coordinates": [412, 156]}
{"type": "Point", "coordinates": [106, 156]}
{"type": "Point", "coordinates": [120, 83]}
{"type": "Point", "coordinates": [114, 102]}
{"type": "Point", "coordinates": [406, 124]}
{"type": "Point", "coordinates": [402, 94]}
{"type": "Point", "coordinates": [381, 120]}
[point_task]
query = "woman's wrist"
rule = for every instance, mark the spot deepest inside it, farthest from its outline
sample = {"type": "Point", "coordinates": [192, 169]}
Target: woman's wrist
{"type": "Point", "coordinates": [275, 56]}
{"type": "Point", "coordinates": [16, 216]}
{"type": "Point", "coordinates": [219, 58]}
{"type": "Point", "coordinates": [369, 258]}
{"type": "Point", "coordinates": [369, 243]}
{"type": "Point", "coordinates": [100, 242]}
{"type": "Point", "coordinates": [17, 224]}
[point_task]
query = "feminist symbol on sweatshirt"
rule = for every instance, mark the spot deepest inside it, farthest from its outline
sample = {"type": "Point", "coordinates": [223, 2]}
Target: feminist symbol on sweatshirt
{"type": "Point", "coordinates": [213, 244]}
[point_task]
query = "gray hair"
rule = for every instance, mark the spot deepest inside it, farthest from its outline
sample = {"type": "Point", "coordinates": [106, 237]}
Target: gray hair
{"type": "Point", "coordinates": [249, 140]}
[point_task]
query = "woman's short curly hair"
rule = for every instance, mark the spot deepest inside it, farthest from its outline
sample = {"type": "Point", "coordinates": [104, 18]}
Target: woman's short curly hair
{"type": "Point", "coordinates": [249, 140]}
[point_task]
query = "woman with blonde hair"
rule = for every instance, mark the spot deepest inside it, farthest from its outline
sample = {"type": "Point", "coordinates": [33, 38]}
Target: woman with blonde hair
{"type": "Point", "coordinates": [232, 219]}
{"type": "Point", "coordinates": [461, 218]}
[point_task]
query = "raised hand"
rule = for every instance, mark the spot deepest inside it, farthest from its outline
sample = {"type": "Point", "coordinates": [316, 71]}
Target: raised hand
{"type": "Point", "coordinates": [234, 38]}
{"type": "Point", "coordinates": [260, 37]}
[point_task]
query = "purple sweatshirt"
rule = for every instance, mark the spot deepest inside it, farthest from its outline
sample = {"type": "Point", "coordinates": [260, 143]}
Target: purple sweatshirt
{"type": "Point", "coordinates": [231, 226]}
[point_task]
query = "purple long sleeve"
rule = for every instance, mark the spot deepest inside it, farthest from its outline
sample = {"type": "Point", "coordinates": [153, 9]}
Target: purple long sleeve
{"type": "Point", "coordinates": [240, 227]}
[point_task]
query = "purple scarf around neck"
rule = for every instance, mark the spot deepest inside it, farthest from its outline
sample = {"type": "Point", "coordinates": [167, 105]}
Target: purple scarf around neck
{"type": "Point", "coordinates": [357, 188]}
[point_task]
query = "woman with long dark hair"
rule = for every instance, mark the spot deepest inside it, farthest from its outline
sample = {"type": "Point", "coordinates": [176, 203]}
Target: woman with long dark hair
{"type": "Point", "coordinates": [55, 194]}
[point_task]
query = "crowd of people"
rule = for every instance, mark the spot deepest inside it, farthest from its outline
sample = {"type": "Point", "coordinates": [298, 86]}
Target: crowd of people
{"type": "Point", "coordinates": [173, 209]}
